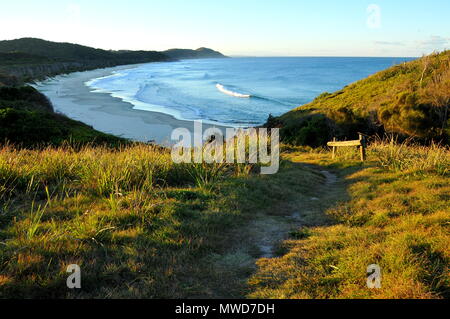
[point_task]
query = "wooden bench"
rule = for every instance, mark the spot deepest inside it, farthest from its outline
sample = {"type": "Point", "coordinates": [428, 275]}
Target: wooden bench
{"type": "Point", "coordinates": [361, 144]}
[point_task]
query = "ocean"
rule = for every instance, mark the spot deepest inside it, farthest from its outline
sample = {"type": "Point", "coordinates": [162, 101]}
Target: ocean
{"type": "Point", "coordinates": [238, 92]}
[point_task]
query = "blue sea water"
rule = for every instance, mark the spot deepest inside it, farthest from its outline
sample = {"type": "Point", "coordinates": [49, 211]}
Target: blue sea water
{"type": "Point", "coordinates": [237, 91]}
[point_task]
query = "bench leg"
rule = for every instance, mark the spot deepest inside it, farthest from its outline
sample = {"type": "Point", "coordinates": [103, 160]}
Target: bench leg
{"type": "Point", "coordinates": [334, 150]}
{"type": "Point", "coordinates": [362, 151]}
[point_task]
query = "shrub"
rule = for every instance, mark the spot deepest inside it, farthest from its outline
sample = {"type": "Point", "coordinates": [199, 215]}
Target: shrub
{"type": "Point", "coordinates": [25, 97]}
{"type": "Point", "coordinates": [313, 132]}
{"type": "Point", "coordinates": [29, 128]}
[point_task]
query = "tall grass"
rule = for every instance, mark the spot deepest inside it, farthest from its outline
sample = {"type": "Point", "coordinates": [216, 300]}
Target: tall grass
{"type": "Point", "coordinates": [36, 213]}
{"type": "Point", "coordinates": [204, 174]}
{"type": "Point", "coordinates": [402, 157]}
{"type": "Point", "coordinates": [408, 156]}
{"type": "Point", "coordinates": [102, 171]}
{"type": "Point", "coordinates": [396, 215]}
{"type": "Point", "coordinates": [136, 222]}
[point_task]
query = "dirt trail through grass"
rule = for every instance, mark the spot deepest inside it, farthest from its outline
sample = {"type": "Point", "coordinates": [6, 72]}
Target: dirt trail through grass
{"type": "Point", "coordinates": [310, 190]}
{"type": "Point", "coordinates": [269, 231]}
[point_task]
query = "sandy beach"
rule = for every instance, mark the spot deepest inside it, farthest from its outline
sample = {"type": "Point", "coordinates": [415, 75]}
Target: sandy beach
{"type": "Point", "coordinates": [71, 97]}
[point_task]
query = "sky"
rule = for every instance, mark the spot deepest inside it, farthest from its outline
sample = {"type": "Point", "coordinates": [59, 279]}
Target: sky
{"type": "Point", "coordinates": [237, 27]}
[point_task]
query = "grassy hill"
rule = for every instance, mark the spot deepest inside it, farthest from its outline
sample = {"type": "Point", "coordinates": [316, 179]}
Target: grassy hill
{"type": "Point", "coordinates": [393, 212]}
{"type": "Point", "coordinates": [410, 100]}
{"type": "Point", "coordinates": [141, 226]}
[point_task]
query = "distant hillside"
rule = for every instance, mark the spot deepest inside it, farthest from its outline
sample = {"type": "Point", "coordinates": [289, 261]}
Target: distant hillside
{"type": "Point", "coordinates": [411, 100]}
{"type": "Point", "coordinates": [7, 80]}
{"type": "Point", "coordinates": [68, 52]}
{"type": "Point", "coordinates": [201, 53]}
{"type": "Point", "coordinates": [14, 58]}
{"type": "Point", "coordinates": [29, 58]}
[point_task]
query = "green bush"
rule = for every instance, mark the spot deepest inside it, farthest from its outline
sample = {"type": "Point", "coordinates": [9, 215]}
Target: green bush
{"type": "Point", "coordinates": [313, 131]}
{"type": "Point", "coordinates": [25, 97]}
{"type": "Point", "coordinates": [34, 128]}
{"type": "Point", "coordinates": [27, 128]}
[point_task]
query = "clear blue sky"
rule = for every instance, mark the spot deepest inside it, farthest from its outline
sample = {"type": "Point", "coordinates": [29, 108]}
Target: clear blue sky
{"type": "Point", "coordinates": [238, 27]}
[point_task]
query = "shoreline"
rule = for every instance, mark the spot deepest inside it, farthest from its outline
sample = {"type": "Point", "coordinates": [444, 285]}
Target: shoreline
{"type": "Point", "coordinates": [70, 96]}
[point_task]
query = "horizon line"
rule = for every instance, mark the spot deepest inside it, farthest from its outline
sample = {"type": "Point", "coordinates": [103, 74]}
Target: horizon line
{"type": "Point", "coordinates": [229, 55]}
{"type": "Point", "coordinates": [318, 56]}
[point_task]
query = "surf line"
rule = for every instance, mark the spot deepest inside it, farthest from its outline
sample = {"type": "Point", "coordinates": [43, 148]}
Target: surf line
{"type": "Point", "coordinates": [222, 89]}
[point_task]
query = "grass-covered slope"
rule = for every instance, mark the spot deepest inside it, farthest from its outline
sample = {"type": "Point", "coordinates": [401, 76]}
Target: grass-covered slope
{"type": "Point", "coordinates": [138, 225]}
{"type": "Point", "coordinates": [410, 99]}
{"type": "Point", "coordinates": [397, 216]}
{"type": "Point", "coordinates": [141, 226]}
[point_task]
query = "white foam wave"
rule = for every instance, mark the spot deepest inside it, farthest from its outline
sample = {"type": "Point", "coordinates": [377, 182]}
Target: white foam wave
{"type": "Point", "coordinates": [222, 89]}
{"type": "Point", "coordinates": [129, 97]}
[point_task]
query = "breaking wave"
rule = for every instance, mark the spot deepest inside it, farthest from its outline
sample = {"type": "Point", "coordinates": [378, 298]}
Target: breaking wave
{"type": "Point", "coordinates": [222, 89]}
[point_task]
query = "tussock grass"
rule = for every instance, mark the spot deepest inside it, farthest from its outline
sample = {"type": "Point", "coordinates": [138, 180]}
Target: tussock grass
{"type": "Point", "coordinates": [138, 225]}
{"type": "Point", "coordinates": [411, 157]}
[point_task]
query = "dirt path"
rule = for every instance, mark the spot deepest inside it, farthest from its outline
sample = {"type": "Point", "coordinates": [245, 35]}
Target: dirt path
{"type": "Point", "coordinates": [309, 190]}
{"type": "Point", "coordinates": [269, 231]}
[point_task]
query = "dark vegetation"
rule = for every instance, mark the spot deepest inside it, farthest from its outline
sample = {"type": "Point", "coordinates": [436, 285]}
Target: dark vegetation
{"type": "Point", "coordinates": [27, 119]}
{"type": "Point", "coordinates": [34, 129]}
{"type": "Point", "coordinates": [36, 49]}
{"type": "Point", "coordinates": [24, 98]}
{"type": "Point", "coordinates": [15, 58]}
{"type": "Point", "coordinates": [410, 100]}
